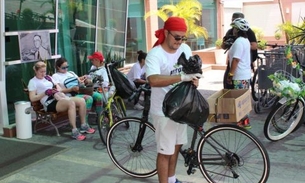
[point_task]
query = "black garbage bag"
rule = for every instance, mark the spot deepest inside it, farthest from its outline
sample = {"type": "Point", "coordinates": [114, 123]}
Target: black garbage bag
{"type": "Point", "coordinates": [185, 104]}
{"type": "Point", "coordinates": [190, 66]}
{"type": "Point", "coordinates": [123, 86]}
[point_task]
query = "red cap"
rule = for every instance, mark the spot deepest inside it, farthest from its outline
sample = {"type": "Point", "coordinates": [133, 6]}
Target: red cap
{"type": "Point", "coordinates": [96, 55]}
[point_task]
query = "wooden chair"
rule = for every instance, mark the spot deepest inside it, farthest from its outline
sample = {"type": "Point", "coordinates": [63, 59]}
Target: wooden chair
{"type": "Point", "coordinates": [43, 117]}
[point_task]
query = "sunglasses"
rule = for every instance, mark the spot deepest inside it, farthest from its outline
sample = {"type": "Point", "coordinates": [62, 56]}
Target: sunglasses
{"type": "Point", "coordinates": [65, 67]}
{"type": "Point", "coordinates": [178, 38]}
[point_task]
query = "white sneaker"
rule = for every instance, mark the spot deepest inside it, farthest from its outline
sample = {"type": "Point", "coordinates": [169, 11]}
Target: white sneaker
{"type": "Point", "coordinates": [141, 98]}
{"type": "Point", "coordinates": [138, 107]}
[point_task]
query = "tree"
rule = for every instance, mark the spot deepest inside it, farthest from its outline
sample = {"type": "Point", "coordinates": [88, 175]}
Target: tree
{"type": "Point", "coordinates": [190, 10]}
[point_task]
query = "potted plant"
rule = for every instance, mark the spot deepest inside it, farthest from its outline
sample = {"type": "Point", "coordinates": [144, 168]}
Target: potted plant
{"type": "Point", "coordinates": [294, 32]}
{"type": "Point", "coordinates": [218, 43]}
{"type": "Point", "coordinates": [278, 35]}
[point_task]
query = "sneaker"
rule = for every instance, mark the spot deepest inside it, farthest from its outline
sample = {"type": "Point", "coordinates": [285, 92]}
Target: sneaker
{"type": "Point", "coordinates": [138, 107]}
{"type": "Point", "coordinates": [244, 123]}
{"type": "Point", "coordinates": [141, 98]}
{"type": "Point", "coordinates": [78, 136]}
{"type": "Point", "coordinates": [86, 129]}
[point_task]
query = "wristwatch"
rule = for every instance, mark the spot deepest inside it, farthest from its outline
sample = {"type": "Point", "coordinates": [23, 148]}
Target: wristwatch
{"type": "Point", "coordinates": [230, 74]}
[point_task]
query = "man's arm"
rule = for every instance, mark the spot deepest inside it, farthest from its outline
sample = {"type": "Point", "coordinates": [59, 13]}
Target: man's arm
{"type": "Point", "coordinates": [163, 80]}
{"type": "Point", "coordinates": [252, 39]}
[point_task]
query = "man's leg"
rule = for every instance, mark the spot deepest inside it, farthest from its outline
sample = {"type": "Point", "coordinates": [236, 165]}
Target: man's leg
{"type": "Point", "coordinates": [173, 161]}
{"type": "Point", "coordinates": [163, 162]}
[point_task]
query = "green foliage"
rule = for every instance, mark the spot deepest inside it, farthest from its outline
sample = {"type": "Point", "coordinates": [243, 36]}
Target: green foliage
{"type": "Point", "coordinates": [190, 10]}
{"type": "Point", "coordinates": [294, 33]}
{"type": "Point", "coordinates": [259, 34]}
{"type": "Point", "coordinates": [218, 43]}
{"type": "Point", "coordinates": [114, 56]}
{"type": "Point", "coordinates": [261, 44]}
{"type": "Point", "coordinates": [278, 35]}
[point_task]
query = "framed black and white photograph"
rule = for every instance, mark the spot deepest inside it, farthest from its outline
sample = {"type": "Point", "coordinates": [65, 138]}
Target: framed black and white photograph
{"type": "Point", "coordinates": [34, 46]}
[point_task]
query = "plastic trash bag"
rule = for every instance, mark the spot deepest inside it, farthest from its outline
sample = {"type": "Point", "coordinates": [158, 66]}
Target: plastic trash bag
{"type": "Point", "coordinates": [185, 104]}
{"type": "Point", "coordinates": [121, 83]}
{"type": "Point", "coordinates": [190, 66]}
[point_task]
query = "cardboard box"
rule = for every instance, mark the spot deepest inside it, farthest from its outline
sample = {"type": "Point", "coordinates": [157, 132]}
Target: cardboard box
{"type": "Point", "coordinates": [229, 105]}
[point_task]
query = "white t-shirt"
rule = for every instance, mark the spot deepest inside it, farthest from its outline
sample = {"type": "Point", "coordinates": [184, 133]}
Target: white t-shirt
{"type": "Point", "coordinates": [40, 86]}
{"type": "Point", "coordinates": [136, 72]}
{"type": "Point", "coordinates": [101, 71]}
{"type": "Point", "coordinates": [159, 62]}
{"type": "Point", "coordinates": [61, 77]}
{"type": "Point", "coordinates": [241, 50]}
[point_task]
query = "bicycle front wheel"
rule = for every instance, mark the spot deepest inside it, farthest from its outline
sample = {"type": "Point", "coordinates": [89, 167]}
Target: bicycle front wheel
{"type": "Point", "coordinates": [285, 118]}
{"type": "Point", "coordinates": [135, 159]}
{"type": "Point", "coordinates": [103, 126]}
{"type": "Point", "coordinates": [228, 153]}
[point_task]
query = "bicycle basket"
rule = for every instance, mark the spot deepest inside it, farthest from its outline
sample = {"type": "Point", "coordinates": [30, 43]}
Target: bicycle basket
{"type": "Point", "coordinates": [286, 85]}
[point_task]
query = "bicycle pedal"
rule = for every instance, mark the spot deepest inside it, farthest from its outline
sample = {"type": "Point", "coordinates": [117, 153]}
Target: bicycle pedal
{"type": "Point", "coordinates": [193, 171]}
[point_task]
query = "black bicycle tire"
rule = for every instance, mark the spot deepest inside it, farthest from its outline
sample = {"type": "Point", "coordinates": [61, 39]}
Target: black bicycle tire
{"type": "Point", "coordinates": [270, 122]}
{"type": "Point", "coordinates": [100, 126]}
{"type": "Point", "coordinates": [123, 146]}
{"type": "Point", "coordinates": [263, 160]}
{"type": "Point", "coordinates": [253, 83]}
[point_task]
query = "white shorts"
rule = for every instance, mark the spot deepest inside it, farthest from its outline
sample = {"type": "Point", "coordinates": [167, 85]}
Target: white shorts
{"type": "Point", "coordinates": [168, 134]}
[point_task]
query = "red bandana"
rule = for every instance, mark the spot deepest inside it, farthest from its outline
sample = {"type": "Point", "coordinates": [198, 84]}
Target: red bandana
{"type": "Point", "coordinates": [171, 24]}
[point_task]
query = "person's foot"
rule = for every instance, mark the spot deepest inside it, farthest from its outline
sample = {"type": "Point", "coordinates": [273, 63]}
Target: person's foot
{"type": "Point", "coordinates": [138, 107]}
{"type": "Point", "coordinates": [86, 129]}
{"type": "Point", "coordinates": [78, 136]}
{"type": "Point", "coordinates": [244, 123]}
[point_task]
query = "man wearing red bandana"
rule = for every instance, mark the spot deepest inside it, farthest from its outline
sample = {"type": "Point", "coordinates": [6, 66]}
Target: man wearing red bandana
{"type": "Point", "coordinates": [162, 72]}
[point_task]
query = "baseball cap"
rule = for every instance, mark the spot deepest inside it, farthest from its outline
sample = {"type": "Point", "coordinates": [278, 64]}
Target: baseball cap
{"type": "Point", "coordinates": [238, 15]}
{"type": "Point", "coordinates": [96, 55]}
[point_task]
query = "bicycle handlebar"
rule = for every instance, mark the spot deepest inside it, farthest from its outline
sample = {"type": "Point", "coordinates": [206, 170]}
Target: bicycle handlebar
{"type": "Point", "coordinates": [136, 93]}
{"type": "Point", "coordinates": [274, 45]}
{"type": "Point", "coordinates": [115, 62]}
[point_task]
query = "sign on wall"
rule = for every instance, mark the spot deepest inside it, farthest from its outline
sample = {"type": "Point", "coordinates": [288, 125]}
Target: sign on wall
{"type": "Point", "coordinates": [34, 46]}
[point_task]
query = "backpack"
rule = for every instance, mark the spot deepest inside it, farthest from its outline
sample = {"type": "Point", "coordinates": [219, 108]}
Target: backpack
{"type": "Point", "coordinates": [71, 82]}
{"type": "Point", "coordinates": [121, 83]}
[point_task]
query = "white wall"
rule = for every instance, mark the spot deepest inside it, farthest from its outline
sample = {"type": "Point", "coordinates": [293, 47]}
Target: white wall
{"type": "Point", "coordinates": [264, 16]}
{"type": "Point", "coordinates": [297, 11]}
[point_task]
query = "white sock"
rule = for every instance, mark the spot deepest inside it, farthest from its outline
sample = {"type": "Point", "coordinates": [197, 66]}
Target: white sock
{"type": "Point", "coordinates": [172, 179]}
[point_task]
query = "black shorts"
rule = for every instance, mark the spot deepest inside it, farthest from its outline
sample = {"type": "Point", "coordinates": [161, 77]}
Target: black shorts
{"type": "Point", "coordinates": [52, 106]}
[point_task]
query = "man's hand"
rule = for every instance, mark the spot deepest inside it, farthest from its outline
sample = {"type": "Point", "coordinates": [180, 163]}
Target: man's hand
{"type": "Point", "coordinates": [229, 80]}
{"type": "Point", "coordinates": [190, 77]}
{"type": "Point", "coordinates": [75, 89]}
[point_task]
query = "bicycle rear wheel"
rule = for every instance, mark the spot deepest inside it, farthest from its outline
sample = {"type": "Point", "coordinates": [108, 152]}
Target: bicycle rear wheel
{"type": "Point", "coordinates": [228, 153]}
{"type": "Point", "coordinates": [136, 160]}
{"type": "Point", "coordinates": [104, 121]}
{"type": "Point", "coordinates": [284, 119]}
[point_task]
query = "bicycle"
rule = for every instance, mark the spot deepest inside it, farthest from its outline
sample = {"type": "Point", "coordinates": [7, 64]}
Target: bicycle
{"type": "Point", "coordinates": [224, 153]}
{"type": "Point", "coordinates": [267, 63]}
{"type": "Point", "coordinates": [113, 106]}
{"type": "Point", "coordinates": [288, 114]}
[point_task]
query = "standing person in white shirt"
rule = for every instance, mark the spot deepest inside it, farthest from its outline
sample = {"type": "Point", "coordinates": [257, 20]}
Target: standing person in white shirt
{"type": "Point", "coordinates": [239, 61]}
{"type": "Point", "coordinates": [136, 75]}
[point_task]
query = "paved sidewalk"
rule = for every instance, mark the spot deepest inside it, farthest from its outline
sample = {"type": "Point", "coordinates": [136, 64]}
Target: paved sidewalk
{"type": "Point", "coordinates": [88, 161]}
